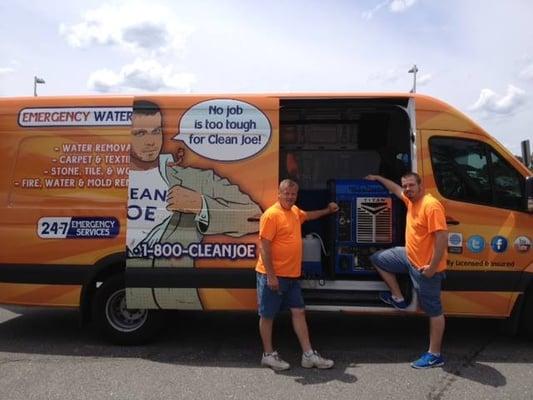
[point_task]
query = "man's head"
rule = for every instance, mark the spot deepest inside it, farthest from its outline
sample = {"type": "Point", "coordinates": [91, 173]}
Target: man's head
{"type": "Point", "coordinates": [287, 193]}
{"type": "Point", "coordinates": [146, 134]}
{"type": "Point", "coordinates": [412, 186]}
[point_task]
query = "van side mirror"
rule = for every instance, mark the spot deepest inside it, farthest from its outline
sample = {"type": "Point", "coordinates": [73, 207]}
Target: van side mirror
{"type": "Point", "coordinates": [529, 193]}
{"type": "Point", "coordinates": [526, 153]}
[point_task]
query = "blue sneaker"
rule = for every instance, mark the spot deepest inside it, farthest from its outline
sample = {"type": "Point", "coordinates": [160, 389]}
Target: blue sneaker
{"type": "Point", "coordinates": [386, 297]}
{"type": "Point", "coordinates": [428, 360]}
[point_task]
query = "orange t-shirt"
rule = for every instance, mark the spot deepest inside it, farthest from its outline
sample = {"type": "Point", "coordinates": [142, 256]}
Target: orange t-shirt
{"type": "Point", "coordinates": [424, 218]}
{"type": "Point", "coordinates": [283, 229]}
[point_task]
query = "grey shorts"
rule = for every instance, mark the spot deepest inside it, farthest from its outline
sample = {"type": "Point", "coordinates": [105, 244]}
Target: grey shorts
{"type": "Point", "coordinates": [395, 261]}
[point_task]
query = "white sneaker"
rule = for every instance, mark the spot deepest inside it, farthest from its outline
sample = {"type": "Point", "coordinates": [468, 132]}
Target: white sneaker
{"type": "Point", "coordinates": [274, 361]}
{"type": "Point", "coordinates": [315, 360]}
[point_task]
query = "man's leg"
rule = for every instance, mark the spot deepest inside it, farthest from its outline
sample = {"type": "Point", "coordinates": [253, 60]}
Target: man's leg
{"type": "Point", "coordinates": [391, 281]}
{"type": "Point", "coordinates": [265, 330]}
{"type": "Point", "coordinates": [436, 333]}
{"type": "Point", "coordinates": [299, 325]}
{"type": "Point", "coordinates": [270, 357]}
{"type": "Point", "coordinates": [295, 302]}
{"type": "Point", "coordinates": [433, 357]}
{"type": "Point", "coordinates": [430, 302]}
{"type": "Point", "coordinates": [269, 304]}
{"type": "Point", "coordinates": [389, 263]}
{"type": "Point", "coordinates": [310, 357]}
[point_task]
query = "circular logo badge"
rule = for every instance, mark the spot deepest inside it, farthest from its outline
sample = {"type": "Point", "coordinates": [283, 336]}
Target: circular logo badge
{"type": "Point", "coordinates": [522, 244]}
{"type": "Point", "coordinates": [455, 239]}
{"type": "Point", "coordinates": [476, 244]}
{"type": "Point", "coordinates": [498, 244]}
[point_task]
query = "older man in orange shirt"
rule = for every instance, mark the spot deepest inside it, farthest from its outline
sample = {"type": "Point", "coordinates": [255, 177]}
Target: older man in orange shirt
{"type": "Point", "coordinates": [278, 271]}
{"type": "Point", "coordinates": [423, 258]}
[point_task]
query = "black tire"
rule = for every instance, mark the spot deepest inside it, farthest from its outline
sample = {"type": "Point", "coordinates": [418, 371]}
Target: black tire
{"type": "Point", "coordinates": [117, 323]}
{"type": "Point", "coordinates": [527, 314]}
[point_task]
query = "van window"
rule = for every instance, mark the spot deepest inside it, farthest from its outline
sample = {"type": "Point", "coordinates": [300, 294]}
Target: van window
{"type": "Point", "coordinates": [321, 140]}
{"type": "Point", "coordinates": [508, 186]}
{"type": "Point", "coordinates": [473, 172]}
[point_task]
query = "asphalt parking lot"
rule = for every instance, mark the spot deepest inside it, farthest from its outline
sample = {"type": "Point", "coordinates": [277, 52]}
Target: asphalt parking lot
{"type": "Point", "coordinates": [44, 354]}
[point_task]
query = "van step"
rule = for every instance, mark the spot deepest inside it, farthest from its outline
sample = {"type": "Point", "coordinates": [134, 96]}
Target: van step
{"type": "Point", "coordinates": [342, 297]}
{"type": "Point", "coordinates": [360, 298]}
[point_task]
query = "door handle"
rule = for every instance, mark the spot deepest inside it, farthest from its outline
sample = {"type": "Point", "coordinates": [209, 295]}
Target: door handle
{"type": "Point", "coordinates": [254, 218]}
{"type": "Point", "coordinates": [451, 221]}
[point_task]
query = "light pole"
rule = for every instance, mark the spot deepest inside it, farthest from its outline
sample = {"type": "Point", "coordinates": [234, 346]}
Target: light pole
{"type": "Point", "coordinates": [413, 71]}
{"type": "Point", "coordinates": [35, 82]}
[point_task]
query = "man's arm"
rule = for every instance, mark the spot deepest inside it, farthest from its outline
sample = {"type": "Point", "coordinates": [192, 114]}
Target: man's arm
{"type": "Point", "coordinates": [391, 186]}
{"type": "Point", "coordinates": [330, 209]}
{"type": "Point", "coordinates": [231, 211]}
{"type": "Point", "coordinates": [183, 200]}
{"type": "Point", "coordinates": [441, 242]}
{"type": "Point", "coordinates": [266, 256]}
{"type": "Point", "coordinates": [220, 206]}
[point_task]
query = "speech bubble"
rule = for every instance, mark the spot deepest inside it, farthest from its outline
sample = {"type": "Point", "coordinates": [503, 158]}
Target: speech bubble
{"type": "Point", "coordinates": [224, 129]}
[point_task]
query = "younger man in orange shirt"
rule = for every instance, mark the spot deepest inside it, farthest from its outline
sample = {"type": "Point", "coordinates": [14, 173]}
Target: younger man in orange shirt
{"type": "Point", "coordinates": [278, 272]}
{"type": "Point", "coordinates": [423, 257]}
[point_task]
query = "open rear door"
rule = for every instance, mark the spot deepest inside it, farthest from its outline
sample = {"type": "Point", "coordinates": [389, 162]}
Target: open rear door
{"type": "Point", "coordinates": [411, 111]}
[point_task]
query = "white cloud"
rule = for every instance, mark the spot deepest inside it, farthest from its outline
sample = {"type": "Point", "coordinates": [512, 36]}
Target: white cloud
{"type": "Point", "coordinates": [401, 5]}
{"type": "Point", "coordinates": [143, 75]}
{"type": "Point", "coordinates": [394, 6]}
{"type": "Point", "coordinates": [105, 80]}
{"type": "Point", "coordinates": [527, 72]}
{"type": "Point", "coordinates": [424, 79]}
{"type": "Point", "coordinates": [130, 26]}
{"type": "Point", "coordinates": [493, 103]}
{"type": "Point", "coordinates": [97, 28]}
{"type": "Point", "coordinates": [6, 70]}
{"type": "Point", "coordinates": [369, 14]}
{"type": "Point", "coordinates": [387, 76]}
{"type": "Point", "coordinates": [145, 35]}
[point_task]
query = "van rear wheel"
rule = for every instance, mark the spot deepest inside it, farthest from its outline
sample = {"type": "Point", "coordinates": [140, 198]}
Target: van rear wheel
{"type": "Point", "coordinates": [115, 321]}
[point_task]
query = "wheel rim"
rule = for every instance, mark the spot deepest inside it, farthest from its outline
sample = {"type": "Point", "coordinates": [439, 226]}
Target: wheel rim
{"type": "Point", "coordinates": [122, 318]}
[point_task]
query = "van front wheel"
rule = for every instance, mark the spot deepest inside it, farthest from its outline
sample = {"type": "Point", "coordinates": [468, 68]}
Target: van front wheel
{"type": "Point", "coordinates": [115, 321]}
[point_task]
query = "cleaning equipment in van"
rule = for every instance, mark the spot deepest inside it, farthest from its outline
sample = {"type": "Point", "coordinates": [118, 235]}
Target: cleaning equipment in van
{"type": "Point", "coordinates": [364, 223]}
{"type": "Point", "coordinates": [312, 257]}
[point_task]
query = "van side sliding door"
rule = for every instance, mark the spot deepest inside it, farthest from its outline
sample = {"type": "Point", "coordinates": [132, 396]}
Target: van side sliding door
{"type": "Point", "coordinates": [206, 169]}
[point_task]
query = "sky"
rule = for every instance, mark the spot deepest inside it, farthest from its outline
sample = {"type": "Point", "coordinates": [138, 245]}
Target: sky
{"type": "Point", "coordinates": [476, 55]}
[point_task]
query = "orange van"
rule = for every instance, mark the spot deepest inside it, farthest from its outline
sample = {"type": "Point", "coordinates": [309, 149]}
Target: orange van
{"type": "Point", "coordinates": [122, 206]}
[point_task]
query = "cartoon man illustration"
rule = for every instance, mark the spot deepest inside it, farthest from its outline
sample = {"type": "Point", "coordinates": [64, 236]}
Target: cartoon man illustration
{"type": "Point", "coordinates": [169, 203]}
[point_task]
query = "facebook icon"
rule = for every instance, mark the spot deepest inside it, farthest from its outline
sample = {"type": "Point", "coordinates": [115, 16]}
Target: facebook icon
{"type": "Point", "coordinates": [498, 244]}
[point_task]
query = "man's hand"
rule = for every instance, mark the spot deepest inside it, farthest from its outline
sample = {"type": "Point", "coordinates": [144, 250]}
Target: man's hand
{"type": "Point", "coordinates": [391, 186]}
{"type": "Point", "coordinates": [441, 241]}
{"type": "Point", "coordinates": [178, 158]}
{"type": "Point", "coordinates": [184, 200]}
{"type": "Point", "coordinates": [333, 207]}
{"type": "Point", "coordinates": [330, 209]}
{"type": "Point", "coordinates": [427, 271]}
{"type": "Point", "coordinates": [272, 282]}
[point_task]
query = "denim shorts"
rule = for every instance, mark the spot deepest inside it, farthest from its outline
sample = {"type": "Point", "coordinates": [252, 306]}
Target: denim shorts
{"type": "Point", "coordinates": [271, 302]}
{"type": "Point", "coordinates": [395, 261]}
